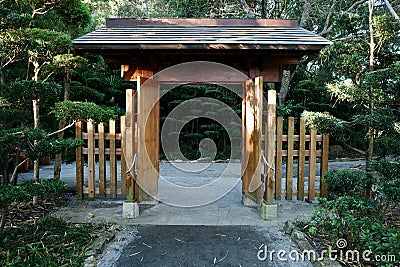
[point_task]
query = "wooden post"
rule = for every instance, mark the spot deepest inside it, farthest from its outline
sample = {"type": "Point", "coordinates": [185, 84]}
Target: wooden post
{"type": "Point", "coordinates": [312, 166]}
{"type": "Point", "coordinates": [302, 160]}
{"type": "Point", "coordinates": [245, 156]}
{"type": "Point", "coordinates": [278, 168]}
{"type": "Point", "coordinates": [148, 119]}
{"type": "Point", "coordinates": [253, 140]}
{"type": "Point", "coordinates": [129, 145]}
{"type": "Point", "coordinates": [79, 162]}
{"type": "Point", "coordinates": [102, 162]}
{"type": "Point", "coordinates": [91, 160]}
{"type": "Point", "coordinates": [324, 164]}
{"type": "Point", "coordinates": [113, 160]}
{"type": "Point", "coordinates": [289, 164]}
{"type": "Point", "coordinates": [270, 129]}
{"type": "Point", "coordinates": [124, 188]}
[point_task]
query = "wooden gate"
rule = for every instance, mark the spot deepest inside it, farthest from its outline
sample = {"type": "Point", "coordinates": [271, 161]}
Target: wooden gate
{"type": "Point", "coordinates": [292, 166]}
{"type": "Point", "coordinates": [103, 153]}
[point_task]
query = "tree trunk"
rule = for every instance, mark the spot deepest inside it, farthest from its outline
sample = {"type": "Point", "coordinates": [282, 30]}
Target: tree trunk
{"type": "Point", "coordinates": [63, 122]}
{"type": "Point", "coordinates": [306, 13]}
{"type": "Point", "coordinates": [5, 170]}
{"type": "Point", "coordinates": [286, 77]}
{"type": "Point", "coordinates": [263, 12]}
{"type": "Point", "coordinates": [36, 122]}
{"type": "Point", "coordinates": [371, 100]}
{"type": "Point", "coordinates": [246, 9]}
{"type": "Point", "coordinates": [3, 219]}
{"type": "Point", "coordinates": [2, 81]}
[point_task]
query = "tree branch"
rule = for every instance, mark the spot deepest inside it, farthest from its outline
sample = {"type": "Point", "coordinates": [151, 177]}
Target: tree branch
{"type": "Point", "coordinates": [326, 31]}
{"type": "Point", "coordinates": [343, 144]}
{"type": "Point", "coordinates": [48, 76]}
{"type": "Point", "coordinates": [13, 180]}
{"type": "Point", "coordinates": [392, 11]}
{"type": "Point", "coordinates": [355, 5]}
{"type": "Point", "coordinates": [328, 18]}
{"type": "Point", "coordinates": [63, 129]}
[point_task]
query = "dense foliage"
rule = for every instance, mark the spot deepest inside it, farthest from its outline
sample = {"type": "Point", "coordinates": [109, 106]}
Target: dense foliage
{"type": "Point", "coordinates": [365, 221]}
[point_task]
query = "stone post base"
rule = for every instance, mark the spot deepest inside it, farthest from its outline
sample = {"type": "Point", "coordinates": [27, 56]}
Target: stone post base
{"type": "Point", "coordinates": [268, 211]}
{"type": "Point", "coordinates": [130, 210]}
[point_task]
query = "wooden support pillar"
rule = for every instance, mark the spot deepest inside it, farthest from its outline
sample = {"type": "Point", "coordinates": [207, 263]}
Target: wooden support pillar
{"type": "Point", "coordinates": [148, 118]}
{"type": "Point", "coordinates": [252, 141]}
{"type": "Point", "coordinates": [270, 129]}
{"type": "Point", "coordinates": [129, 145]}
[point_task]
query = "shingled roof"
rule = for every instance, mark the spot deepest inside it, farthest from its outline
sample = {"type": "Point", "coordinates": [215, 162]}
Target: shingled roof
{"type": "Point", "coordinates": [264, 34]}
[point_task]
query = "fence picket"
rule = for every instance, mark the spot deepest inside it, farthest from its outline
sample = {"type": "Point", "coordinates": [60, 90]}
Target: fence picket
{"type": "Point", "coordinates": [113, 161]}
{"type": "Point", "coordinates": [91, 160]}
{"type": "Point", "coordinates": [324, 164]}
{"type": "Point", "coordinates": [289, 161]}
{"type": "Point", "coordinates": [123, 161]}
{"type": "Point", "coordinates": [102, 161]}
{"type": "Point", "coordinates": [302, 160]}
{"type": "Point", "coordinates": [278, 168]}
{"type": "Point", "coordinates": [312, 166]}
{"type": "Point", "coordinates": [79, 162]}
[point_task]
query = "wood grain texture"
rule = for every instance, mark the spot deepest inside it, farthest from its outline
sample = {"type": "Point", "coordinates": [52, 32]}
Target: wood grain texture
{"type": "Point", "coordinates": [79, 162]}
{"type": "Point", "coordinates": [270, 134]}
{"type": "Point", "coordinates": [102, 161]}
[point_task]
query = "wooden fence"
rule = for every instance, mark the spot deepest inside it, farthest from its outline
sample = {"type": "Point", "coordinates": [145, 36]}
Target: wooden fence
{"type": "Point", "coordinates": [102, 144]}
{"type": "Point", "coordinates": [305, 148]}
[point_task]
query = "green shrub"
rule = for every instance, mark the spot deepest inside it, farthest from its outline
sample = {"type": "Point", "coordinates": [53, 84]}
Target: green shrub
{"type": "Point", "coordinates": [388, 188]}
{"type": "Point", "coordinates": [10, 194]}
{"type": "Point", "coordinates": [348, 182]}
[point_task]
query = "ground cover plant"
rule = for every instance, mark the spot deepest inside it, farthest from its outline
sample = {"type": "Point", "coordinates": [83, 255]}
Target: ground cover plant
{"type": "Point", "coordinates": [31, 237]}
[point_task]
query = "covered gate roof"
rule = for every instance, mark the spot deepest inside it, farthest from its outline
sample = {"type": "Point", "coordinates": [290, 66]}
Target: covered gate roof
{"type": "Point", "coordinates": [250, 45]}
{"type": "Point", "coordinates": [200, 34]}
